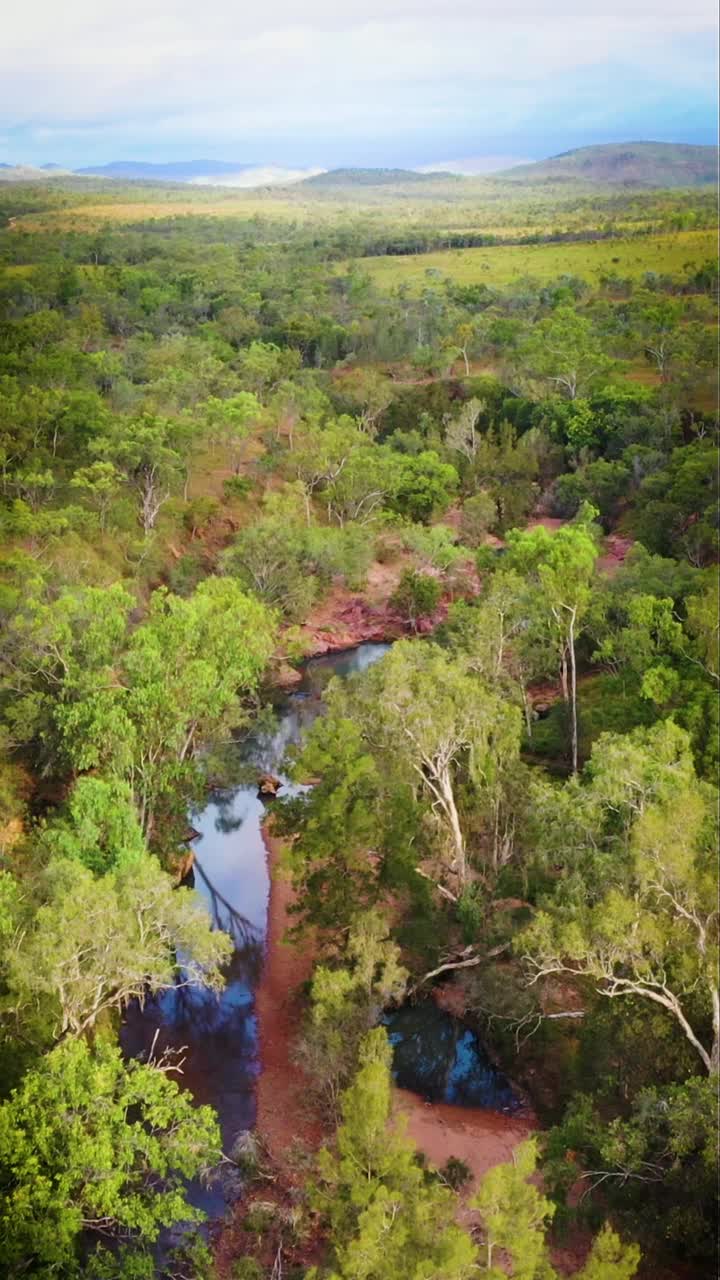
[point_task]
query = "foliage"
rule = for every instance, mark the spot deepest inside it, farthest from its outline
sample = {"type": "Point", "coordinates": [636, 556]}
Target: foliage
{"type": "Point", "coordinates": [88, 1143]}
{"type": "Point", "coordinates": [386, 1218]}
{"type": "Point", "coordinates": [416, 596]}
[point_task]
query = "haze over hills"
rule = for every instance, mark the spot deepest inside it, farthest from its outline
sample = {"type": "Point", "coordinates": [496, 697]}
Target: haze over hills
{"type": "Point", "coordinates": [642, 164]}
{"type": "Point", "coordinates": [374, 177]}
{"type": "Point", "coordinates": [646, 164]}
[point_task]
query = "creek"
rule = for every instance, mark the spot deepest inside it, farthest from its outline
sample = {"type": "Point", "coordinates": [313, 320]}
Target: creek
{"type": "Point", "coordinates": [218, 1035]}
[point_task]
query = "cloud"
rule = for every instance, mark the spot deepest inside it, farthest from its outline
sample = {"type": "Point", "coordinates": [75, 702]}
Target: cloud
{"type": "Point", "coordinates": [172, 69]}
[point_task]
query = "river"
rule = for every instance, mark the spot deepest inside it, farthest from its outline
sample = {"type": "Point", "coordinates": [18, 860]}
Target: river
{"type": "Point", "coordinates": [219, 1034]}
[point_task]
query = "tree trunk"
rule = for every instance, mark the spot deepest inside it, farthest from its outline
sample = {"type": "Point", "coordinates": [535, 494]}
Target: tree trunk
{"type": "Point", "coordinates": [448, 802]}
{"type": "Point", "coordinates": [573, 691]}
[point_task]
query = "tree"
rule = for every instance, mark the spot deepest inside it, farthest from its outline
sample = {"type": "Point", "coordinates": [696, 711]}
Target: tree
{"type": "Point", "coordinates": [387, 1219]}
{"type": "Point", "coordinates": [101, 482]}
{"type": "Point", "coordinates": [416, 596]}
{"type": "Point", "coordinates": [230, 422]}
{"type": "Point", "coordinates": [564, 351]}
{"type": "Point", "coordinates": [144, 449]}
{"type": "Point", "coordinates": [91, 1144]}
{"type": "Point", "coordinates": [424, 486]}
{"type": "Point", "coordinates": [187, 670]}
{"type": "Point", "coordinates": [562, 565]}
{"type": "Point", "coordinates": [58, 667]}
{"type": "Point", "coordinates": [506, 468]}
{"type": "Point", "coordinates": [478, 516]}
{"type": "Point", "coordinates": [345, 1002]}
{"type": "Point", "coordinates": [515, 1217]}
{"type": "Point", "coordinates": [654, 1165]}
{"type": "Point", "coordinates": [653, 934]}
{"type": "Point", "coordinates": [320, 453]}
{"type": "Point", "coordinates": [462, 433]}
{"type": "Point", "coordinates": [363, 486]}
{"type": "Point", "coordinates": [96, 944]}
{"type": "Point", "coordinates": [98, 826]}
{"type": "Point", "coordinates": [427, 720]}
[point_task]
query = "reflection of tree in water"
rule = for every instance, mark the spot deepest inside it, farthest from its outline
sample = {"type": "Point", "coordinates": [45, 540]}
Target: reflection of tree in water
{"type": "Point", "coordinates": [438, 1057]}
{"type": "Point", "coordinates": [246, 935]}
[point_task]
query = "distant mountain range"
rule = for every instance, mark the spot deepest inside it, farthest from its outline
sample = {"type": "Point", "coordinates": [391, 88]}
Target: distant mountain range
{"type": "Point", "coordinates": [641, 164]}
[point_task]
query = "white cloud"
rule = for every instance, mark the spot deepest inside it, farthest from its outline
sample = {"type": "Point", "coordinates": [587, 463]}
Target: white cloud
{"type": "Point", "coordinates": [229, 68]}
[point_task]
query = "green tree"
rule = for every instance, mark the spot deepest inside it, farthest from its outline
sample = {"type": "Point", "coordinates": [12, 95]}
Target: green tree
{"type": "Point", "coordinates": [652, 934]}
{"type": "Point", "coordinates": [562, 566]}
{"type": "Point", "coordinates": [346, 1001]}
{"type": "Point", "coordinates": [416, 596]}
{"type": "Point", "coordinates": [387, 1219]}
{"type": "Point", "coordinates": [478, 516]}
{"type": "Point", "coordinates": [145, 450]}
{"type": "Point", "coordinates": [426, 720]}
{"type": "Point", "coordinates": [89, 1143]}
{"type": "Point", "coordinates": [424, 486]}
{"type": "Point", "coordinates": [96, 944]}
{"type": "Point", "coordinates": [564, 351]}
{"type": "Point", "coordinates": [187, 670]}
{"type": "Point", "coordinates": [98, 826]}
{"type": "Point", "coordinates": [230, 422]}
{"type": "Point", "coordinates": [101, 483]}
{"type": "Point", "coordinates": [515, 1218]}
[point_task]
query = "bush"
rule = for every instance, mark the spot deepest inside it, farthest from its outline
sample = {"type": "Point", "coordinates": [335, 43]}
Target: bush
{"type": "Point", "coordinates": [456, 1173]}
{"type": "Point", "coordinates": [247, 1269]}
{"type": "Point", "coordinates": [417, 596]}
{"type": "Point", "coordinates": [478, 516]}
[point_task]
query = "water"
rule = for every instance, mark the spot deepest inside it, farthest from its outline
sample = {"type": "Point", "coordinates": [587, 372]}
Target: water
{"type": "Point", "coordinates": [441, 1058]}
{"type": "Point", "coordinates": [435, 1055]}
{"type": "Point", "coordinates": [219, 1034]}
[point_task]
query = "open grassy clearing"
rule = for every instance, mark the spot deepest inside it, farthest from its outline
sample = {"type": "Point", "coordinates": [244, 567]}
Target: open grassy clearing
{"type": "Point", "coordinates": [672, 254]}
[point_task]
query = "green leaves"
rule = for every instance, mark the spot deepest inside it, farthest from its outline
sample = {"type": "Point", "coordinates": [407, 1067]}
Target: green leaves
{"type": "Point", "coordinates": [88, 1142]}
{"type": "Point", "coordinates": [96, 944]}
{"type": "Point", "coordinates": [388, 1220]}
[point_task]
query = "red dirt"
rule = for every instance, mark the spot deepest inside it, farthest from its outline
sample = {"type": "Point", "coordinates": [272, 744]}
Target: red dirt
{"type": "Point", "coordinates": [344, 619]}
{"type": "Point", "coordinates": [481, 1138]}
{"type": "Point", "coordinates": [284, 1115]}
{"type": "Point", "coordinates": [614, 552]}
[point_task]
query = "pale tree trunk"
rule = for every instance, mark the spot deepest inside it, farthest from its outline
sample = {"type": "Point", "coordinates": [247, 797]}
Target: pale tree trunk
{"type": "Point", "coordinates": [573, 690]}
{"type": "Point", "coordinates": [447, 800]}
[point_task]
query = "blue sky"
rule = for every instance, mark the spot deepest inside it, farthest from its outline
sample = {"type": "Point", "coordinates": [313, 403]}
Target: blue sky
{"type": "Point", "coordinates": [329, 82]}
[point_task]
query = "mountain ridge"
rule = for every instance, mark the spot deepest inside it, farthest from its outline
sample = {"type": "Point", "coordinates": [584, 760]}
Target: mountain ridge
{"type": "Point", "coordinates": [642, 164]}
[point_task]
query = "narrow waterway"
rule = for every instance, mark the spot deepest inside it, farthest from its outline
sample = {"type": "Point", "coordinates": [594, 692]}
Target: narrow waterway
{"type": "Point", "coordinates": [219, 1035]}
{"type": "Point", "coordinates": [435, 1056]}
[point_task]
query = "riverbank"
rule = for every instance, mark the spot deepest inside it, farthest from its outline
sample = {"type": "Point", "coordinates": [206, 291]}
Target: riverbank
{"type": "Point", "coordinates": [287, 1124]}
{"type": "Point", "coordinates": [286, 1121]}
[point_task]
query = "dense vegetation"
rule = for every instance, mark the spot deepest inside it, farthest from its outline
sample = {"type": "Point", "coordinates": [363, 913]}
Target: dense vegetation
{"type": "Point", "coordinates": [209, 421]}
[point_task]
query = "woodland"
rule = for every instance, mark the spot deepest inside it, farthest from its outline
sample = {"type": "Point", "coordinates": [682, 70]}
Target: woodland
{"type": "Point", "coordinates": [224, 431]}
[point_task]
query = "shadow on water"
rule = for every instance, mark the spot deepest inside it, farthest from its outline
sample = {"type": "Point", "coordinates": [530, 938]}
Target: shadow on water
{"type": "Point", "coordinates": [442, 1059]}
{"type": "Point", "coordinates": [218, 1035]}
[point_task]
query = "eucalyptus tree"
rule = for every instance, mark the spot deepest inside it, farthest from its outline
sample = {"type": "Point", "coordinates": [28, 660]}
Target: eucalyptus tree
{"type": "Point", "coordinates": [561, 566]}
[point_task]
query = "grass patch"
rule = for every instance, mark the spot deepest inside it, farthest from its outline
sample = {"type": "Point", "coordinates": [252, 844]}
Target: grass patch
{"type": "Point", "coordinates": [672, 254]}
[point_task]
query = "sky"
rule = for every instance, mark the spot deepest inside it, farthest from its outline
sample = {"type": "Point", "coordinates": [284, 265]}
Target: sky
{"type": "Point", "coordinates": [324, 83]}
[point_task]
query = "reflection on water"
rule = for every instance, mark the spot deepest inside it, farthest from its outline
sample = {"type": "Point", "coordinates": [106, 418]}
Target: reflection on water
{"type": "Point", "coordinates": [441, 1058]}
{"type": "Point", "coordinates": [219, 1034]}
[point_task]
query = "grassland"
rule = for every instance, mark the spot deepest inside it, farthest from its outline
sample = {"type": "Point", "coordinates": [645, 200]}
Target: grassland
{"type": "Point", "coordinates": [674, 254]}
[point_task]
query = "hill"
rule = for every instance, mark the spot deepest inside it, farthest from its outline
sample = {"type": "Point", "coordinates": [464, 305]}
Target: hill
{"type": "Point", "coordinates": [174, 171]}
{"type": "Point", "coordinates": [642, 164]}
{"type": "Point", "coordinates": [374, 178]}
